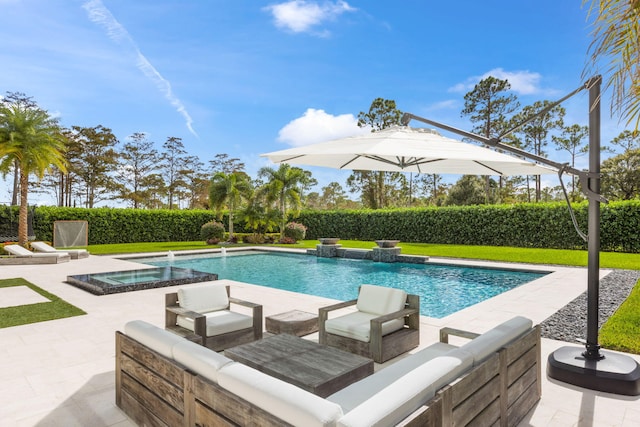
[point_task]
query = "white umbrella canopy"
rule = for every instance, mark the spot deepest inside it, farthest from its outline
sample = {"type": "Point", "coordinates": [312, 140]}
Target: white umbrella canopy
{"type": "Point", "coordinates": [406, 149]}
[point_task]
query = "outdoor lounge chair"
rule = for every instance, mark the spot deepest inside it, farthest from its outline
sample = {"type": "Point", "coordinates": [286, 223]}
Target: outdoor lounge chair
{"type": "Point", "coordinates": [38, 258]}
{"type": "Point", "coordinates": [202, 314]}
{"type": "Point", "coordinates": [385, 325]}
{"type": "Point", "coordinates": [43, 247]}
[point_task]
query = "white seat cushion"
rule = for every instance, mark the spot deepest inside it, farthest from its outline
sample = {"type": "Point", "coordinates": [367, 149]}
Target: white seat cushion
{"type": "Point", "coordinates": [204, 298]}
{"type": "Point", "coordinates": [491, 341]}
{"type": "Point", "coordinates": [286, 401]}
{"type": "Point", "coordinates": [153, 337]}
{"type": "Point", "coordinates": [220, 322]}
{"type": "Point", "coordinates": [353, 395]}
{"type": "Point", "coordinates": [380, 300]}
{"type": "Point", "coordinates": [199, 359]}
{"type": "Point", "coordinates": [358, 325]}
{"type": "Point", "coordinates": [400, 398]}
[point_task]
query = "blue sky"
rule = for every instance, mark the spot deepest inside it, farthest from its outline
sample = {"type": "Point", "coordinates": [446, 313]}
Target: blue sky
{"type": "Point", "coordinates": [247, 77]}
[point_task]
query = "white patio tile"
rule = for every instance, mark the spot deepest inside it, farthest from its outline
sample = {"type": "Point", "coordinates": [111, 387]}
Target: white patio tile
{"type": "Point", "coordinates": [61, 373]}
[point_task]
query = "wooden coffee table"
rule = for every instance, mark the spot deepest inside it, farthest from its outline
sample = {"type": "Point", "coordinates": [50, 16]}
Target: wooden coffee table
{"type": "Point", "coordinates": [313, 367]}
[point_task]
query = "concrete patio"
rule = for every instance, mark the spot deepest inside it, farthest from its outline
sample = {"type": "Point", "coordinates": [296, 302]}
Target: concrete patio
{"type": "Point", "coordinates": [61, 372]}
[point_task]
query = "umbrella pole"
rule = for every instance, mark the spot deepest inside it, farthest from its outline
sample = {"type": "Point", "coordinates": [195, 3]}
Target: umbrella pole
{"type": "Point", "coordinates": [592, 368]}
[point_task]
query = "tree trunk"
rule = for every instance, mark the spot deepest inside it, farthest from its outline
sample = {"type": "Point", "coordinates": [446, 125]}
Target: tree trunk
{"type": "Point", "coordinates": [23, 227]}
{"type": "Point", "coordinates": [16, 183]}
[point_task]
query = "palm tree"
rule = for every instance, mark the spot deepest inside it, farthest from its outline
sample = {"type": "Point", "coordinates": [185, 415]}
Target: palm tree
{"type": "Point", "coordinates": [283, 186]}
{"type": "Point", "coordinates": [615, 40]}
{"type": "Point", "coordinates": [30, 140]}
{"type": "Point", "coordinates": [228, 190]}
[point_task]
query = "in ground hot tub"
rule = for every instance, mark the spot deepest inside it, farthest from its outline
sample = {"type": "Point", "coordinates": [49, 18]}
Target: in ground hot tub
{"type": "Point", "coordinates": [135, 280]}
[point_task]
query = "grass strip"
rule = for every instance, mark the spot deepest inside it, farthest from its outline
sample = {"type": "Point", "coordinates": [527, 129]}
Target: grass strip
{"type": "Point", "coordinates": [56, 308]}
{"type": "Point", "coordinates": [618, 260]}
{"type": "Point", "coordinates": [622, 330]}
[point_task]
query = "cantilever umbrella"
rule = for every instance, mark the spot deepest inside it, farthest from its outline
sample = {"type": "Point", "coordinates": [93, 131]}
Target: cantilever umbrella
{"type": "Point", "coordinates": [406, 149]}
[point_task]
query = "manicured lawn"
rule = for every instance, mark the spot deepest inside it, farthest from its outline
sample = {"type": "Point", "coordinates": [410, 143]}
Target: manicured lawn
{"type": "Point", "coordinates": [492, 253]}
{"type": "Point", "coordinates": [622, 330]}
{"type": "Point", "coordinates": [56, 308]}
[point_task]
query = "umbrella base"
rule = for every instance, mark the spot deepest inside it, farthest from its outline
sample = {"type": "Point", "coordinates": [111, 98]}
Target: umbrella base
{"type": "Point", "coordinates": [614, 373]}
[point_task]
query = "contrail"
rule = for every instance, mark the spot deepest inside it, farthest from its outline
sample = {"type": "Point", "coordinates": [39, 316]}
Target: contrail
{"type": "Point", "coordinates": [99, 14]}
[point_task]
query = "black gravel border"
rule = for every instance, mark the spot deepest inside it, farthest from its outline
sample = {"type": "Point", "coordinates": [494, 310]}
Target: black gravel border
{"type": "Point", "coordinates": [570, 322]}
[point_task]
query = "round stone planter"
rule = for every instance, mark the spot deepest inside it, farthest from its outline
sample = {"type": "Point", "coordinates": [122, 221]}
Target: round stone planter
{"type": "Point", "coordinates": [387, 243]}
{"type": "Point", "coordinates": [329, 240]}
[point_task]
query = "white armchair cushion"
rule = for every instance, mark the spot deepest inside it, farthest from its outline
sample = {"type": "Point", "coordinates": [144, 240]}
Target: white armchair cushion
{"type": "Point", "coordinates": [153, 337]}
{"type": "Point", "coordinates": [204, 298]}
{"type": "Point", "coordinates": [393, 403]}
{"type": "Point", "coordinates": [380, 300]}
{"type": "Point", "coordinates": [219, 322]}
{"type": "Point", "coordinates": [357, 325]}
{"type": "Point", "coordinates": [491, 341]}
{"type": "Point", "coordinates": [199, 359]}
{"type": "Point", "coordinates": [286, 401]}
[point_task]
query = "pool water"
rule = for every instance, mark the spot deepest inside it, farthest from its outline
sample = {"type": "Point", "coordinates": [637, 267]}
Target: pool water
{"type": "Point", "coordinates": [443, 290]}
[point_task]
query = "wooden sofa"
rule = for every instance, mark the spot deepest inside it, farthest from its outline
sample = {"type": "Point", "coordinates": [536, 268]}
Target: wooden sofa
{"type": "Point", "coordinates": [165, 380]}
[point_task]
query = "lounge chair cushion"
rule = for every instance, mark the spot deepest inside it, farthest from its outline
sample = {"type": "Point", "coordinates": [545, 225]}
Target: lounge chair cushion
{"type": "Point", "coordinates": [20, 251]}
{"type": "Point", "coordinates": [380, 300]}
{"type": "Point", "coordinates": [357, 325]}
{"type": "Point", "coordinates": [219, 322]}
{"type": "Point", "coordinates": [392, 404]}
{"type": "Point", "coordinates": [153, 337]}
{"type": "Point", "coordinates": [355, 394]}
{"type": "Point", "coordinates": [45, 248]}
{"type": "Point", "coordinates": [204, 298]}
{"type": "Point", "coordinates": [286, 401]}
{"type": "Point", "coordinates": [199, 359]}
{"type": "Point", "coordinates": [491, 341]}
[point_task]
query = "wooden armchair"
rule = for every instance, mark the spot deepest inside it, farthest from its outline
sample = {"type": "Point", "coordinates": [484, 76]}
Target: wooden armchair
{"type": "Point", "coordinates": [202, 314]}
{"type": "Point", "coordinates": [386, 324]}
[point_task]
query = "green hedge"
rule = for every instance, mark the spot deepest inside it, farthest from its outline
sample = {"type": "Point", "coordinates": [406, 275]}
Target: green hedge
{"type": "Point", "coordinates": [539, 225]}
{"type": "Point", "coordinates": [108, 225]}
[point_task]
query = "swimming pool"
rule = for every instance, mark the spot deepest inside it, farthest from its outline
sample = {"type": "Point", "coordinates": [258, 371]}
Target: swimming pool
{"type": "Point", "coordinates": [443, 289]}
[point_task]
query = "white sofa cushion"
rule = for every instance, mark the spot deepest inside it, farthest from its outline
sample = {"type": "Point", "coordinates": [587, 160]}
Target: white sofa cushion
{"type": "Point", "coordinates": [357, 325]}
{"type": "Point", "coordinates": [491, 341]}
{"type": "Point", "coordinates": [204, 298]}
{"type": "Point", "coordinates": [200, 359]}
{"type": "Point", "coordinates": [400, 398]}
{"type": "Point", "coordinates": [219, 322]}
{"type": "Point", "coordinates": [380, 300]}
{"type": "Point", "coordinates": [353, 395]}
{"type": "Point", "coordinates": [153, 337]}
{"type": "Point", "coordinates": [284, 400]}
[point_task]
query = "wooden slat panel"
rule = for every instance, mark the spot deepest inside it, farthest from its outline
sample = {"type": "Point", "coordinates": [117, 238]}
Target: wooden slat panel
{"type": "Point", "coordinates": [489, 416]}
{"type": "Point", "coordinates": [429, 415]}
{"type": "Point", "coordinates": [480, 399]}
{"type": "Point", "coordinates": [523, 405]}
{"type": "Point", "coordinates": [140, 414]}
{"type": "Point", "coordinates": [152, 360]}
{"type": "Point", "coordinates": [152, 381]}
{"type": "Point", "coordinates": [521, 384]}
{"type": "Point", "coordinates": [232, 407]}
{"type": "Point", "coordinates": [521, 365]}
{"type": "Point", "coordinates": [147, 399]}
{"type": "Point", "coordinates": [205, 417]}
{"type": "Point", "coordinates": [521, 346]}
{"type": "Point", "coordinates": [479, 375]}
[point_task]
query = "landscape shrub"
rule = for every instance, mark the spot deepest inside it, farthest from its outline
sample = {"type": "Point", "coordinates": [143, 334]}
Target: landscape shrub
{"type": "Point", "coordinates": [212, 232]}
{"type": "Point", "coordinates": [536, 225]}
{"type": "Point", "coordinates": [295, 231]}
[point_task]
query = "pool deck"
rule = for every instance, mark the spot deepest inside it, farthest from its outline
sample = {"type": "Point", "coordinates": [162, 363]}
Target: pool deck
{"type": "Point", "coordinates": [61, 372]}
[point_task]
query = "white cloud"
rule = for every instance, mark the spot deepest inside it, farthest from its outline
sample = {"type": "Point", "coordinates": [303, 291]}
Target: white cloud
{"type": "Point", "coordinates": [317, 126]}
{"type": "Point", "coordinates": [301, 16]}
{"type": "Point", "coordinates": [99, 14]}
{"type": "Point", "coordinates": [522, 82]}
